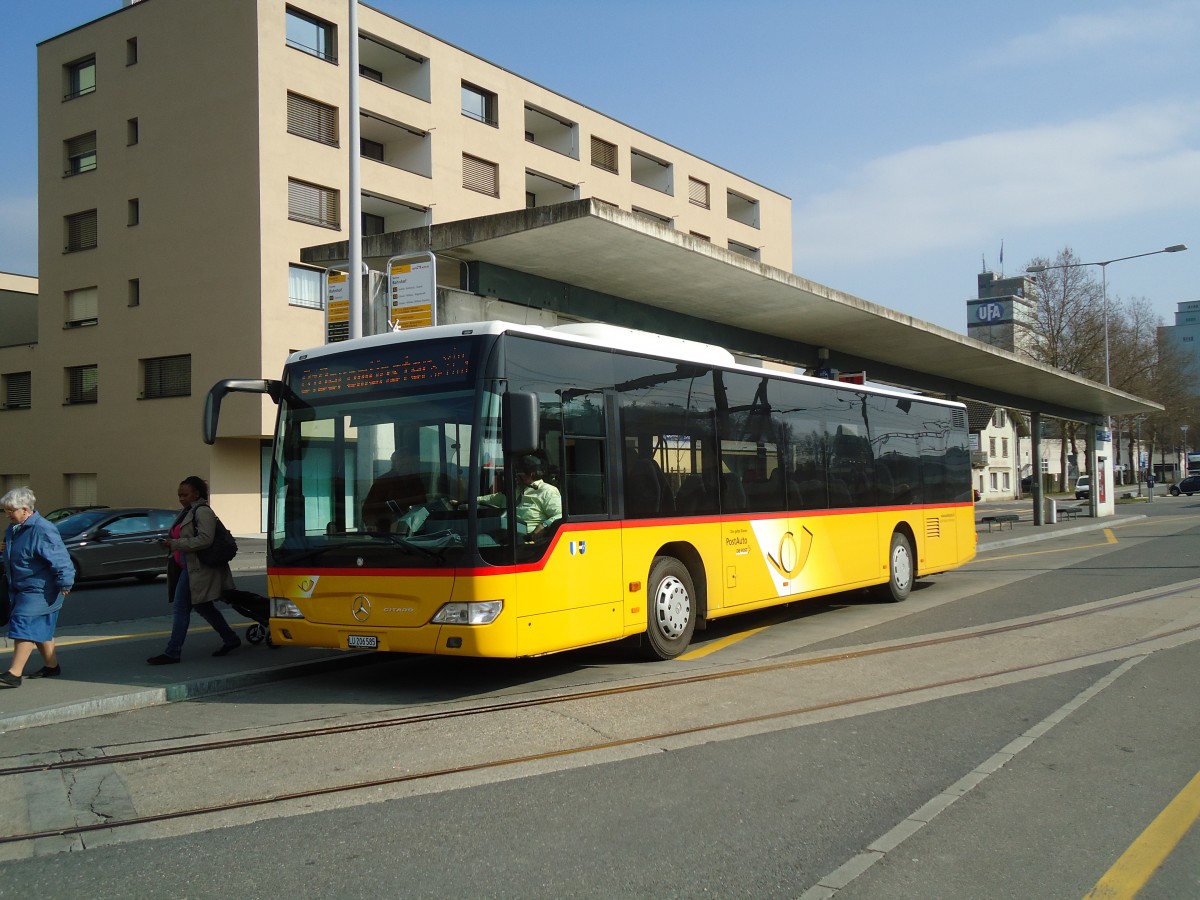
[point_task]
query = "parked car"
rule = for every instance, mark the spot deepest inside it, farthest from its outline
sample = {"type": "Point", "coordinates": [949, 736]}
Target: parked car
{"type": "Point", "coordinates": [1027, 484]}
{"type": "Point", "coordinates": [1083, 487]}
{"type": "Point", "coordinates": [56, 515]}
{"type": "Point", "coordinates": [1189, 486]}
{"type": "Point", "coordinates": [117, 542]}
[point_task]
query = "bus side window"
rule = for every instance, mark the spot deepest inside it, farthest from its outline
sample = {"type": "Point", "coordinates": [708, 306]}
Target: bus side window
{"type": "Point", "coordinates": [586, 493]}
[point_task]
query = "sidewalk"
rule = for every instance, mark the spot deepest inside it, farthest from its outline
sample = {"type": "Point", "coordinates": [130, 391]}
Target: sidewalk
{"type": "Point", "coordinates": [105, 670]}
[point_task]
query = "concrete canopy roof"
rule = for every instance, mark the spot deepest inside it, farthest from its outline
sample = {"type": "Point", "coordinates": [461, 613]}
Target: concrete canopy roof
{"type": "Point", "coordinates": [602, 249]}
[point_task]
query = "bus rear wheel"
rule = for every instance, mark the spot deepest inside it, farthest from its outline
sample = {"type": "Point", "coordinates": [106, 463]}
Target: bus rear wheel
{"type": "Point", "coordinates": [900, 569]}
{"type": "Point", "coordinates": [670, 609]}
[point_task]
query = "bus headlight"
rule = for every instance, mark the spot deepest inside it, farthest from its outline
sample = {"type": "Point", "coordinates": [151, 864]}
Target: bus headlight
{"type": "Point", "coordinates": [283, 608]}
{"type": "Point", "coordinates": [483, 612]}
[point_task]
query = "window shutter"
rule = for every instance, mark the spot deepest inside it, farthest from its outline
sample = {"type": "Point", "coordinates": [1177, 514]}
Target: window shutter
{"type": "Point", "coordinates": [604, 155]}
{"type": "Point", "coordinates": [82, 384]}
{"type": "Point", "coordinates": [17, 391]}
{"type": "Point", "coordinates": [167, 376]}
{"type": "Point", "coordinates": [312, 119]}
{"type": "Point", "coordinates": [82, 307]}
{"type": "Point", "coordinates": [81, 230]}
{"type": "Point", "coordinates": [81, 153]}
{"type": "Point", "coordinates": [698, 193]}
{"type": "Point", "coordinates": [314, 204]}
{"type": "Point", "coordinates": [481, 175]}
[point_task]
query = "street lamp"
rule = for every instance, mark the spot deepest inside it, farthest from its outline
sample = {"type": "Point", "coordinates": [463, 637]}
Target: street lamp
{"type": "Point", "coordinates": [1104, 264]}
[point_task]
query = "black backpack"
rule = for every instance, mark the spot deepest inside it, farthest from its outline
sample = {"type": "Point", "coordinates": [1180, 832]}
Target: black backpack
{"type": "Point", "coordinates": [223, 548]}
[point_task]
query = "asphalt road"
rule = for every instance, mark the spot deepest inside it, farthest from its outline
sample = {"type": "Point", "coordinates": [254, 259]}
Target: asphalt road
{"type": "Point", "coordinates": [1040, 781]}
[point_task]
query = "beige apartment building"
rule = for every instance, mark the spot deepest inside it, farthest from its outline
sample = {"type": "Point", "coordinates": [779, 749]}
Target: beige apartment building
{"type": "Point", "coordinates": [188, 151]}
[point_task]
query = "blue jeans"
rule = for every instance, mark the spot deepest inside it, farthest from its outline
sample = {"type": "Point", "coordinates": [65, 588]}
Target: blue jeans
{"type": "Point", "coordinates": [183, 618]}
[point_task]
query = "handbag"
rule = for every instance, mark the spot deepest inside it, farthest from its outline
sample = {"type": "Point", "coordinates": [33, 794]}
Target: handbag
{"type": "Point", "coordinates": [223, 548]}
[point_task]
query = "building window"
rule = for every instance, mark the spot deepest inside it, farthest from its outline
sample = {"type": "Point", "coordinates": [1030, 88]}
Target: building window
{"type": "Point", "coordinates": [1004, 448]}
{"type": "Point", "coordinates": [991, 446]}
{"type": "Point", "coordinates": [313, 204]}
{"type": "Point", "coordinates": [131, 52]}
{"type": "Point", "coordinates": [167, 376]}
{"type": "Point", "coordinates": [481, 175]}
{"type": "Point", "coordinates": [370, 74]}
{"type": "Point", "coordinates": [135, 292]}
{"type": "Point", "coordinates": [312, 119]}
{"type": "Point", "coordinates": [135, 211]}
{"type": "Point", "coordinates": [17, 391]}
{"type": "Point", "coordinates": [82, 307]}
{"type": "Point", "coordinates": [81, 489]}
{"type": "Point", "coordinates": [604, 155]}
{"type": "Point", "coordinates": [12, 481]}
{"type": "Point", "coordinates": [650, 214]}
{"type": "Point", "coordinates": [131, 132]}
{"type": "Point", "coordinates": [698, 193]}
{"type": "Point", "coordinates": [81, 78]}
{"type": "Point", "coordinates": [741, 208]}
{"type": "Point", "coordinates": [479, 104]}
{"type": "Point", "coordinates": [312, 35]}
{"type": "Point", "coordinates": [992, 480]}
{"type": "Point", "coordinates": [1007, 479]}
{"type": "Point", "coordinates": [370, 149]}
{"type": "Point", "coordinates": [650, 171]}
{"type": "Point", "coordinates": [81, 231]}
{"type": "Point", "coordinates": [530, 199]}
{"type": "Point", "coordinates": [744, 250]}
{"type": "Point", "coordinates": [999, 418]}
{"type": "Point", "coordinates": [81, 153]}
{"type": "Point", "coordinates": [304, 287]}
{"type": "Point", "coordinates": [81, 384]}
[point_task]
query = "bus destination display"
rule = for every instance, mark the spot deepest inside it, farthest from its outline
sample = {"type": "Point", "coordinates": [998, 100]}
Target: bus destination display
{"type": "Point", "coordinates": [443, 363]}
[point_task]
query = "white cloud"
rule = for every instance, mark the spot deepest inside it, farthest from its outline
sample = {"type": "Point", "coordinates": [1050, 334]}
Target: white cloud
{"type": "Point", "coordinates": [1119, 29]}
{"type": "Point", "coordinates": [957, 193]}
{"type": "Point", "coordinates": [18, 235]}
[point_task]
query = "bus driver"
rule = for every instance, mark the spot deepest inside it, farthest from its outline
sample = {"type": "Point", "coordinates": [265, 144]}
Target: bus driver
{"type": "Point", "coordinates": [539, 504]}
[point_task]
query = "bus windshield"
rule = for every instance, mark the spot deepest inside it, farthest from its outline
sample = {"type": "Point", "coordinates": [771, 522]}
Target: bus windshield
{"type": "Point", "coordinates": [377, 479]}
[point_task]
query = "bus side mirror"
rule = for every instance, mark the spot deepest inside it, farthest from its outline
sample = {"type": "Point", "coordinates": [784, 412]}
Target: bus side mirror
{"type": "Point", "coordinates": [212, 404]}
{"type": "Point", "coordinates": [520, 411]}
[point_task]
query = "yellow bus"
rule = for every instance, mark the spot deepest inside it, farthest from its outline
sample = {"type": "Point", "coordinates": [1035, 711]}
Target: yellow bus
{"type": "Point", "coordinates": [503, 490]}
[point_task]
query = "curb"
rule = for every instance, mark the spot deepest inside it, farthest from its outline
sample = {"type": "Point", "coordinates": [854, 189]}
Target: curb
{"type": "Point", "coordinates": [173, 693]}
{"type": "Point", "coordinates": [983, 547]}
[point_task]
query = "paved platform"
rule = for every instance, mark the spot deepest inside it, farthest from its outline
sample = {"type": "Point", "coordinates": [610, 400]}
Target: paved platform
{"type": "Point", "coordinates": [105, 671]}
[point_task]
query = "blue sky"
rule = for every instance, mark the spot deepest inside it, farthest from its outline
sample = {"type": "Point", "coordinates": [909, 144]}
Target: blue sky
{"type": "Point", "coordinates": [913, 139]}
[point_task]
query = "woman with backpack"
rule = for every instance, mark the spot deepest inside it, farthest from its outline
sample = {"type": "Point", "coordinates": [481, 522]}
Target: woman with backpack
{"type": "Point", "coordinates": [191, 584]}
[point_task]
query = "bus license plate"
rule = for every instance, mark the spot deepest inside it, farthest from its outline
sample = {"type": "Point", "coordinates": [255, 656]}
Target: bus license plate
{"type": "Point", "coordinates": [363, 641]}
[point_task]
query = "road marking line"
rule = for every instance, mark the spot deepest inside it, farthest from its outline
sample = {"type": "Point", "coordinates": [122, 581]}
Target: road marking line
{"type": "Point", "coordinates": [1133, 870]}
{"type": "Point", "coordinates": [722, 643]}
{"type": "Point", "coordinates": [878, 849]}
{"type": "Point", "coordinates": [69, 642]}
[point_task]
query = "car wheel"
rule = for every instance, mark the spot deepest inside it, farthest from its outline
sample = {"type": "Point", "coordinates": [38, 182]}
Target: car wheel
{"type": "Point", "coordinates": [1174, 492]}
{"type": "Point", "coordinates": [79, 576]}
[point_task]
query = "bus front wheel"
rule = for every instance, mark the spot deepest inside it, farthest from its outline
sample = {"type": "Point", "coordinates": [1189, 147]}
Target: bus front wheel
{"type": "Point", "coordinates": [670, 609]}
{"type": "Point", "coordinates": [900, 569]}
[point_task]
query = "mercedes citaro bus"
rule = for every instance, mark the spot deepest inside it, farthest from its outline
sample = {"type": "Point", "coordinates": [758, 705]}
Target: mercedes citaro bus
{"type": "Point", "coordinates": [679, 486]}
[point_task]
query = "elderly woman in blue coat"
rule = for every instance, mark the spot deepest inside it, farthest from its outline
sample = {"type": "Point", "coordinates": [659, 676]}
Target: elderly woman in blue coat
{"type": "Point", "coordinates": [40, 574]}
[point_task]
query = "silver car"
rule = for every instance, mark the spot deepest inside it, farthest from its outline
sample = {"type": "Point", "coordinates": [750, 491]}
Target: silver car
{"type": "Point", "coordinates": [116, 542]}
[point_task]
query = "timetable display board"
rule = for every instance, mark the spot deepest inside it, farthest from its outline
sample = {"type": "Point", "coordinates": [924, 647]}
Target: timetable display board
{"type": "Point", "coordinates": [412, 291]}
{"type": "Point", "coordinates": [337, 307]}
{"type": "Point", "coordinates": [420, 365]}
